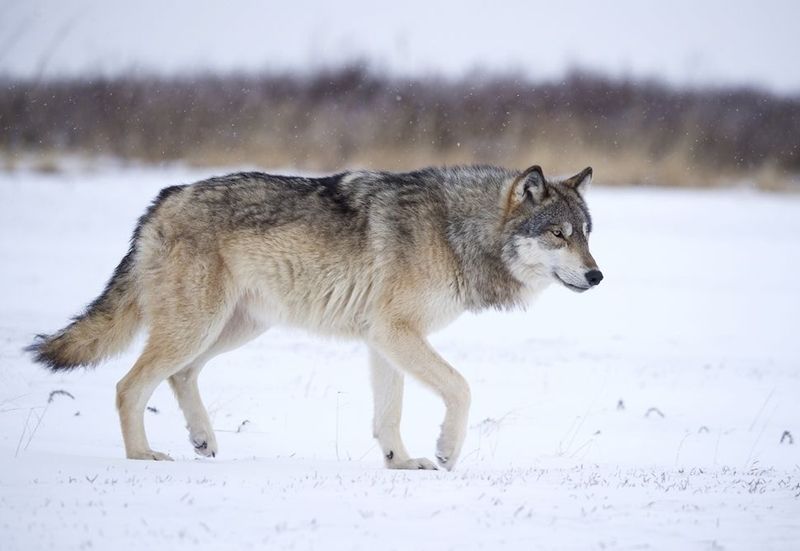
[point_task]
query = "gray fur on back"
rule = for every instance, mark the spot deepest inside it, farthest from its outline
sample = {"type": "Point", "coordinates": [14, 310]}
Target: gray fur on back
{"type": "Point", "coordinates": [390, 211]}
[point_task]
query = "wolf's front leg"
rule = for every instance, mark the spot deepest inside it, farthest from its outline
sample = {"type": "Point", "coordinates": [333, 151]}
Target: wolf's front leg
{"type": "Point", "coordinates": [387, 389]}
{"type": "Point", "coordinates": [410, 352]}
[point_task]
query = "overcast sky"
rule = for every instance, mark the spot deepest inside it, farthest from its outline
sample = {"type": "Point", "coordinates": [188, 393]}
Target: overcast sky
{"type": "Point", "coordinates": [683, 42]}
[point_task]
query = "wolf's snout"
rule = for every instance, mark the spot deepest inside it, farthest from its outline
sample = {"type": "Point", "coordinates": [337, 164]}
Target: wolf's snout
{"type": "Point", "coordinates": [594, 277]}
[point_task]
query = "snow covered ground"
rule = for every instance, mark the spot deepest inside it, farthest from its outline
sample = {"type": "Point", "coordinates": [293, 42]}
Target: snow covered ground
{"type": "Point", "coordinates": [648, 413]}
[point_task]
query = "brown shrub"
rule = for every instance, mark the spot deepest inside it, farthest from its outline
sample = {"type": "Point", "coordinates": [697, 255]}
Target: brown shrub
{"type": "Point", "coordinates": [631, 132]}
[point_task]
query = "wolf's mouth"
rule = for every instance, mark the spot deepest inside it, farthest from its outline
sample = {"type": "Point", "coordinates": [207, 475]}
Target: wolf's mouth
{"type": "Point", "coordinates": [570, 286]}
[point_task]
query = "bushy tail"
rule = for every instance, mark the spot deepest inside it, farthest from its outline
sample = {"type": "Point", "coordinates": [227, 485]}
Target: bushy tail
{"type": "Point", "coordinates": [106, 327]}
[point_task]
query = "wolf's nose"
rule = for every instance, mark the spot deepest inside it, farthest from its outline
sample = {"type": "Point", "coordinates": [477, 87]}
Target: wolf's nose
{"type": "Point", "coordinates": [594, 277]}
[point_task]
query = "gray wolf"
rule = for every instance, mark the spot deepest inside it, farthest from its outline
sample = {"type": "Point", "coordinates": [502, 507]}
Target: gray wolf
{"type": "Point", "coordinates": [386, 258]}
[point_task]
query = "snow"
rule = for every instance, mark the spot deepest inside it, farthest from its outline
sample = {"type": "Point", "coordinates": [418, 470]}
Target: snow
{"type": "Point", "coordinates": [647, 413]}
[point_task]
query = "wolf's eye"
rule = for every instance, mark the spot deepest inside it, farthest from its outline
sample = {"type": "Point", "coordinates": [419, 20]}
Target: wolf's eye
{"type": "Point", "coordinates": [557, 233]}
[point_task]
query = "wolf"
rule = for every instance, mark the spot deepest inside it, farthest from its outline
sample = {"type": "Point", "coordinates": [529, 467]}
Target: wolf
{"type": "Point", "coordinates": [383, 257]}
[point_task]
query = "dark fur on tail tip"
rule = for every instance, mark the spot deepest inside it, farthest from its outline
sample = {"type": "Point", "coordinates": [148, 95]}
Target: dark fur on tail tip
{"type": "Point", "coordinates": [44, 352]}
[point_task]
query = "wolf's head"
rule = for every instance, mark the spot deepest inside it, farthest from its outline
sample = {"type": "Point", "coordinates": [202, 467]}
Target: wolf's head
{"type": "Point", "coordinates": [546, 230]}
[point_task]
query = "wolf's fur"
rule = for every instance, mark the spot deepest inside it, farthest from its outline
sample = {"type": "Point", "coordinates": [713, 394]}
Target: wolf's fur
{"type": "Point", "coordinates": [386, 258]}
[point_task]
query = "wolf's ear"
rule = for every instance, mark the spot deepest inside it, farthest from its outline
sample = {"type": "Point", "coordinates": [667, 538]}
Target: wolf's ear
{"type": "Point", "coordinates": [580, 182]}
{"type": "Point", "coordinates": [528, 184]}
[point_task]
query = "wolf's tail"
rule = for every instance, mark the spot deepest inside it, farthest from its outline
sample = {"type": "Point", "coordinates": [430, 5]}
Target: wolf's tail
{"type": "Point", "coordinates": [106, 327]}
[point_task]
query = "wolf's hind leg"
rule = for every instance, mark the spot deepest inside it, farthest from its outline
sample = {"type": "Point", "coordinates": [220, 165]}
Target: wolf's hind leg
{"type": "Point", "coordinates": [240, 329]}
{"type": "Point", "coordinates": [411, 353]}
{"type": "Point", "coordinates": [387, 389]}
{"type": "Point", "coordinates": [184, 385]}
{"type": "Point", "coordinates": [181, 328]}
{"type": "Point", "coordinates": [161, 358]}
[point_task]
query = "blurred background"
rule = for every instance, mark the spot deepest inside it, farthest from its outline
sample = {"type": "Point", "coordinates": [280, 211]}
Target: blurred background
{"type": "Point", "coordinates": [679, 94]}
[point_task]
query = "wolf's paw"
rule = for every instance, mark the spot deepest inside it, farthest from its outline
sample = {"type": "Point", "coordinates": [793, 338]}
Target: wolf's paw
{"type": "Point", "coordinates": [446, 453]}
{"type": "Point", "coordinates": [418, 463]}
{"type": "Point", "coordinates": [445, 462]}
{"type": "Point", "coordinates": [204, 444]}
{"type": "Point", "coordinates": [149, 455]}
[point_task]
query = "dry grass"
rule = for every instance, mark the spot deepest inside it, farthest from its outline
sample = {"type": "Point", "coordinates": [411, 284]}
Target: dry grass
{"type": "Point", "coordinates": [632, 133]}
